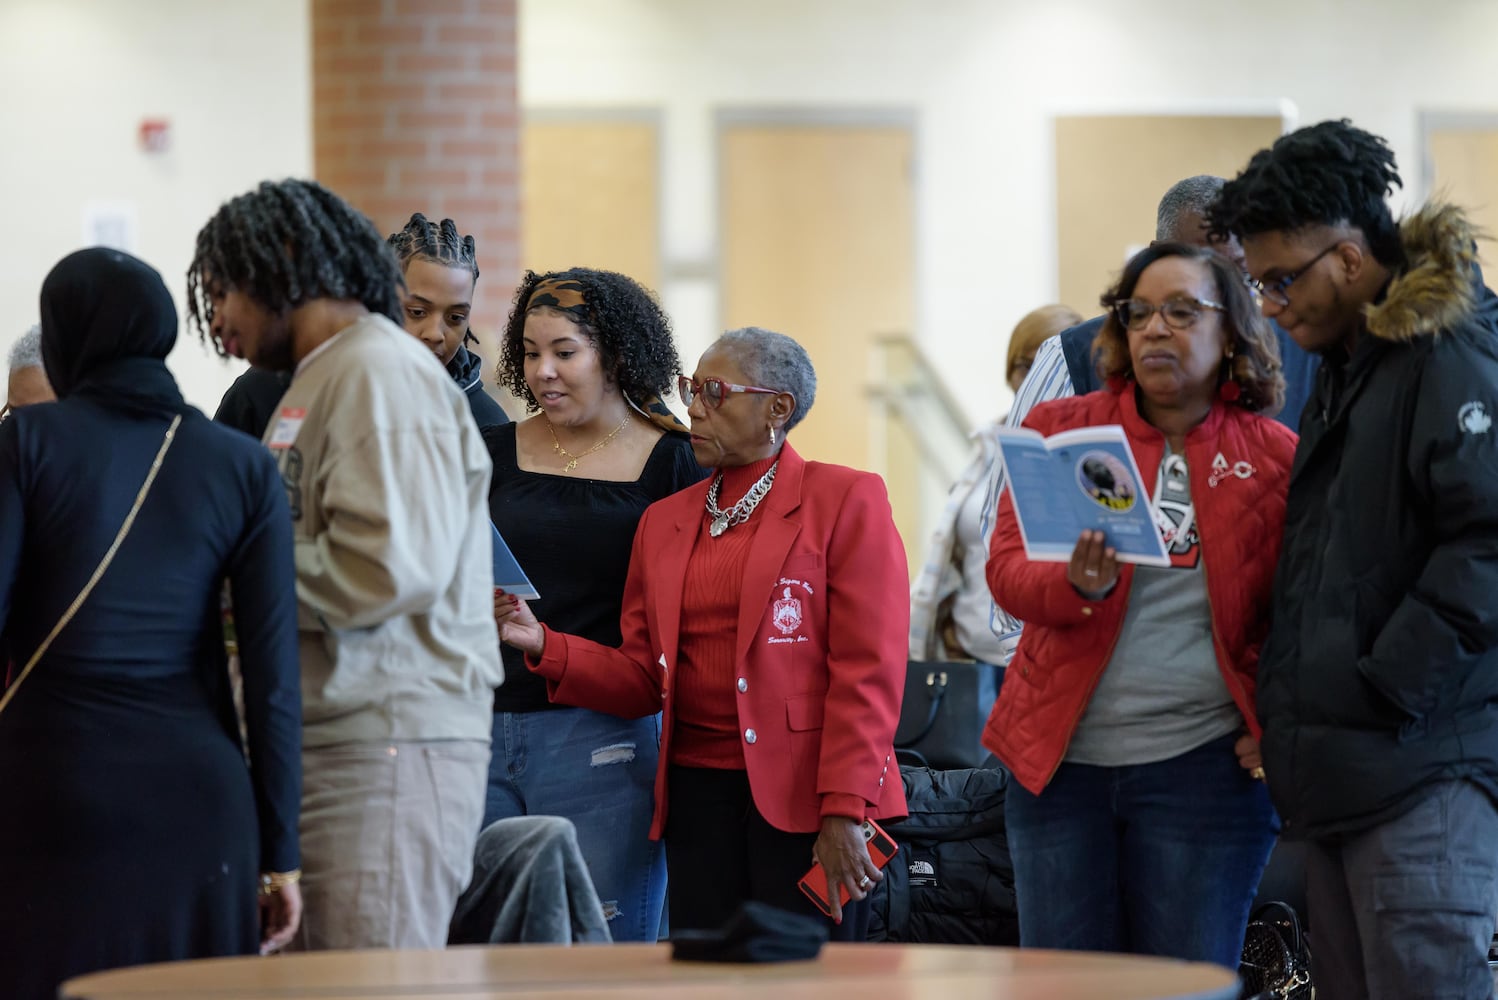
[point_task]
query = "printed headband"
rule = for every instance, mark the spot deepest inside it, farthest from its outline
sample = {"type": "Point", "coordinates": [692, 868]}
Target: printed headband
{"type": "Point", "coordinates": [563, 294]}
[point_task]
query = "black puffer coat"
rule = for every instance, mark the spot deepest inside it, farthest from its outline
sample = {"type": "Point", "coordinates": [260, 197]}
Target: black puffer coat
{"type": "Point", "coordinates": [952, 881]}
{"type": "Point", "coordinates": [1380, 672]}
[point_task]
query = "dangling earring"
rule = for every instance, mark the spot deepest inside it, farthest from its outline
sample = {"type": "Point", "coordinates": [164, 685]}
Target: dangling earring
{"type": "Point", "coordinates": [1230, 390]}
{"type": "Point", "coordinates": [772, 435]}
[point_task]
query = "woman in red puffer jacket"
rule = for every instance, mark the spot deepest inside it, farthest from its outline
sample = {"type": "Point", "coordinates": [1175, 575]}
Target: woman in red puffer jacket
{"type": "Point", "coordinates": [1137, 818]}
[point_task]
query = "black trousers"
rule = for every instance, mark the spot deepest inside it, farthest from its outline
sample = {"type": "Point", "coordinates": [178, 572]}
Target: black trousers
{"type": "Point", "coordinates": [721, 852]}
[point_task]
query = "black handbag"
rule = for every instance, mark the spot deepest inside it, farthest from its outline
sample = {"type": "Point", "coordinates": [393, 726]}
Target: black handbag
{"type": "Point", "coordinates": [1276, 962]}
{"type": "Point", "coordinates": [945, 708]}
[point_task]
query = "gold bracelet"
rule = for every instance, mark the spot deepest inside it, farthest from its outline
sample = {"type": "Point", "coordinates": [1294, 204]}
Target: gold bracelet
{"type": "Point", "coordinates": [273, 882]}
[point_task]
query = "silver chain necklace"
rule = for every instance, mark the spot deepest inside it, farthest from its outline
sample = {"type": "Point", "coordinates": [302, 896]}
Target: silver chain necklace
{"type": "Point", "coordinates": [739, 512]}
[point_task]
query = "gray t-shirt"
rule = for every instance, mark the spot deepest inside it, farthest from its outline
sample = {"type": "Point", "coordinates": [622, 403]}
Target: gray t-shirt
{"type": "Point", "coordinates": [1162, 693]}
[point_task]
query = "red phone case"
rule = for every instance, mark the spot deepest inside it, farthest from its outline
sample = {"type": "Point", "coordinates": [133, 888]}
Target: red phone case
{"type": "Point", "coordinates": [814, 882]}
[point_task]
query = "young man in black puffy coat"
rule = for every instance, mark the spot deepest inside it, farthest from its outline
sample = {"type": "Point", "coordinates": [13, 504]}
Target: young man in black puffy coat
{"type": "Point", "coordinates": [1378, 684]}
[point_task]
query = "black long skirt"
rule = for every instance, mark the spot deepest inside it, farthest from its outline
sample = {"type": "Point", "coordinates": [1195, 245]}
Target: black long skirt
{"type": "Point", "coordinates": [127, 830]}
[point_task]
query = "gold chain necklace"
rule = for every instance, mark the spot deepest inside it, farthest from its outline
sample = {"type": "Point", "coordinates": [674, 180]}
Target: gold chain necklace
{"type": "Point", "coordinates": [557, 445]}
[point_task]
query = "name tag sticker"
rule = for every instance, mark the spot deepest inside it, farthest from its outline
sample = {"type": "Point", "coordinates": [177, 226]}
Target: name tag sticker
{"type": "Point", "coordinates": [288, 424]}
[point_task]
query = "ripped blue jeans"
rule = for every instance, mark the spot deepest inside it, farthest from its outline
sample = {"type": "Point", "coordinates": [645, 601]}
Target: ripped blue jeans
{"type": "Point", "coordinates": [598, 771]}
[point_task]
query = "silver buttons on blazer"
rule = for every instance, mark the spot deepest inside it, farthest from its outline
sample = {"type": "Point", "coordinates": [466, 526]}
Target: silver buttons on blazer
{"type": "Point", "coordinates": [743, 685]}
{"type": "Point", "coordinates": [750, 736]}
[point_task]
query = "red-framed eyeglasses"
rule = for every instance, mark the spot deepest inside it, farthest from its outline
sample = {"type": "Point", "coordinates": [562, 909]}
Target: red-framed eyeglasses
{"type": "Point", "coordinates": [714, 390]}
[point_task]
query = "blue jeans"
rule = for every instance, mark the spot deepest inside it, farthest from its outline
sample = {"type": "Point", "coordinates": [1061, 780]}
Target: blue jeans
{"type": "Point", "coordinates": [598, 771]}
{"type": "Point", "coordinates": [1154, 859]}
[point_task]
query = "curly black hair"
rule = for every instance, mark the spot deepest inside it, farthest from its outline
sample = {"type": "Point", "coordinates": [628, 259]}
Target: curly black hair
{"type": "Point", "coordinates": [439, 243]}
{"type": "Point", "coordinates": [623, 320]}
{"type": "Point", "coordinates": [1328, 174]}
{"type": "Point", "coordinates": [287, 243]}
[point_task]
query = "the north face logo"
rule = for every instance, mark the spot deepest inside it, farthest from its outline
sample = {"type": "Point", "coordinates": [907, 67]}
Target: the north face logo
{"type": "Point", "coordinates": [922, 868]}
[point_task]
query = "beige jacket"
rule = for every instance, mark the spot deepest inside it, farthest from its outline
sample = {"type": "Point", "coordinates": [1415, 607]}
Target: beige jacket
{"type": "Point", "coordinates": [388, 481]}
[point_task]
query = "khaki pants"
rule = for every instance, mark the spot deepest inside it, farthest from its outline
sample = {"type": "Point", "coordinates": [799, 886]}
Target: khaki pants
{"type": "Point", "coordinates": [387, 834]}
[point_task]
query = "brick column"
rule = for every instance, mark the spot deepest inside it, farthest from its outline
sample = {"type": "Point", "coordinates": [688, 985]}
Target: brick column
{"type": "Point", "coordinates": [414, 110]}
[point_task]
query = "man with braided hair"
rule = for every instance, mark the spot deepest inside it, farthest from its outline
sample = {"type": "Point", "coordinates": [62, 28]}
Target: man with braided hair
{"type": "Point", "coordinates": [1378, 683]}
{"type": "Point", "coordinates": [441, 271]}
{"type": "Point", "coordinates": [388, 481]}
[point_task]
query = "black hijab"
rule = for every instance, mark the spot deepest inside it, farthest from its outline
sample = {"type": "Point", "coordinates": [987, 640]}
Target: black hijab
{"type": "Point", "coordinates": [108, 323]}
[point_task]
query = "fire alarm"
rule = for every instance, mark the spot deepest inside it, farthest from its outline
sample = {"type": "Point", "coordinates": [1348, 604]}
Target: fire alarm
{"type": "Point", "coordinates": [155, 135]}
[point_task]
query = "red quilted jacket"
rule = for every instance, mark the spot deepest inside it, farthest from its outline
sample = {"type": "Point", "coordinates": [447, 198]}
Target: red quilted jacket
{"type": "Point", "coordinates": [1240, 470]}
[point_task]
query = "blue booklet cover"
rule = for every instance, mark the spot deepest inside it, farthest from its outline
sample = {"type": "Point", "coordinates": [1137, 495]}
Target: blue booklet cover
{"type": "Point", "coordinates": [508, 576]}
{"type": "Point", "coordinates": [1078, 480]}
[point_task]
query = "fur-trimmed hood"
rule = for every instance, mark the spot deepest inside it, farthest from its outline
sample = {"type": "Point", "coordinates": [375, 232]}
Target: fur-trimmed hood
{"type": "Point", "coordinates": [1436, 290]}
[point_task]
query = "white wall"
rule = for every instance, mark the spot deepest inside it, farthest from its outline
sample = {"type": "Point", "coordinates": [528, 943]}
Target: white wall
{"type": "Point", "coordinates": [985, 77]}
{"type": "Point", "coordinates": [234, 80]}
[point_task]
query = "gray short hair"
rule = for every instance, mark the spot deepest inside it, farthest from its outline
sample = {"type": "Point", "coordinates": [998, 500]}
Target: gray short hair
{"type": "Point", "coordinates": [27, 352]}
{"type": "Point", "coordinates": [1190, 196]}
{"type": "Point", "coordinates": [774, 361]}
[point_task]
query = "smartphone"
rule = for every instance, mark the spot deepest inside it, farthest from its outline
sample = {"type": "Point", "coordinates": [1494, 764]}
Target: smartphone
{"type": "Point", "coordinates": [814, 882]}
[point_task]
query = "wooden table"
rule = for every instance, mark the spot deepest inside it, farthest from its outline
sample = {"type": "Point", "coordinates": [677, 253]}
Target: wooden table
{"type": "Point", "coordinates": [641, 971]}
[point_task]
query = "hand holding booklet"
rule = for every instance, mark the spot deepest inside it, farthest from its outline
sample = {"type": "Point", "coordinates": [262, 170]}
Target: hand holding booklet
{"type": "Point", "coordinates": [1075, 481]}
{"type": "Point", "coordinates": [508, 576]}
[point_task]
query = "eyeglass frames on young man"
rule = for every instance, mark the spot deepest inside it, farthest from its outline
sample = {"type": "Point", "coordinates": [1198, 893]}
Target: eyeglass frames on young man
{"type": "Point", "coordinates": [1276, 291]}
{"type": "Point", "coordinates": [1178, 313]}
{"type": "Point", "coordinates": [714, 390]}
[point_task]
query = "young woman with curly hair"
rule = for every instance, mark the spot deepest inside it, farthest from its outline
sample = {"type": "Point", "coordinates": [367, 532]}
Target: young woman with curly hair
{"type": "Point", "coordinates": [591, 353]}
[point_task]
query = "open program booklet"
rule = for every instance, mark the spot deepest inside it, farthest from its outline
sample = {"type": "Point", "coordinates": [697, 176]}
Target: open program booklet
{"type": "Point", "coordinates": [1074, 481]}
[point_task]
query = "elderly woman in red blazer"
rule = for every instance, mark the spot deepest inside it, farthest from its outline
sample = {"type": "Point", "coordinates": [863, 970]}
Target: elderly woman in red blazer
{"type": "Point", "coordinates": [765, 614]}
{"type": "Point", "coordinates": [1136, 818]}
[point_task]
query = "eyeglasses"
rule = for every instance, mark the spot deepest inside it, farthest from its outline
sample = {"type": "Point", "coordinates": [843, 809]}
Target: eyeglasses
{"type": "Point", "coordinates": [714, 390]}
{"type": "Point", "coordinates": [1178, 314]}
{"type": "Point", "coordinates": [1276, 291]}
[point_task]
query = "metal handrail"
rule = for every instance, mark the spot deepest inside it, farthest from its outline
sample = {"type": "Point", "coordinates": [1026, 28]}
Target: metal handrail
{"type": "Point", "coordinates": [909, 392]}
{"type": "Point", "coordinates": [930, 378]}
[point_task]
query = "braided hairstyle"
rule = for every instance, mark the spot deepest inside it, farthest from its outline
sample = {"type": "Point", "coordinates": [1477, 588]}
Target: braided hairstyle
{"type": "Point", "coordinates": [623, 320]}
{"type": "Point", "coordinates": [440, 244]}
{"type": "Point", "coordinates": [285, 244]}
{"type": "Point", "coordinates": [1328, 174]}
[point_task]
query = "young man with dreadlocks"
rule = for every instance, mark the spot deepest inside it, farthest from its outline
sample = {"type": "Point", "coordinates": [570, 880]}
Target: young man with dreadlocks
{"type": "Point", "coordinates": [441, 271]}
{"type": "Point", "coordinates": [1378, 683]}
{"type": "Point", "coordinates": [388, 480]}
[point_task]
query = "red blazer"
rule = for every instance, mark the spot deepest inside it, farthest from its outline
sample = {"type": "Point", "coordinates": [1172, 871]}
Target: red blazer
{"type": "Point", "coordinates": [823, 619]}
{"type": "Point", "coordinates": [1239, 464]}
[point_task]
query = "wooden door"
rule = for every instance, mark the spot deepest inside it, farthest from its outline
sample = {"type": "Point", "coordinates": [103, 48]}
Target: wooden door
{"type": "Point", "coordinates": [1110, 173]}
{"type": "Point", "coordinates": [590, 195]}
{"type": "Point", "coordinates": [818, 243]}
{"type": "Point", "coordinates": [1463, 162]}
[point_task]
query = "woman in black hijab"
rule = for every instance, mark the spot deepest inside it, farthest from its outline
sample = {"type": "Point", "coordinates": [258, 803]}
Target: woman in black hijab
{"type": "Point", "coordinates": [131, 827]}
